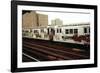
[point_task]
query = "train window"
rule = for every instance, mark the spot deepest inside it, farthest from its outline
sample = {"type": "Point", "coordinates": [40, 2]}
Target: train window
{"type": "Point", "coordinates": [89, 29]}
{"type": "Point", "coordinates": [57, 30]}
{"type": "Point", "coordinates": [48, 30]}
{"type": "Point", "coordinates": [42, 30]}
{"type": "Point", "coordinates": [35, 31]}
{"type": "Point", "coordinates": [71, 31]}
{"type": "Point", "coordinates": [60, 30]}
{"type": "Point", "coordinates": [85, 30]}
{"type": "Point", "coordinates": [30, 30]}
{"type": "Point", "coordinates": [75, 30]}
{"type": "Point", "coordinates": [26, 31]}
{"type": "Point", "coordinates": [66, 31]}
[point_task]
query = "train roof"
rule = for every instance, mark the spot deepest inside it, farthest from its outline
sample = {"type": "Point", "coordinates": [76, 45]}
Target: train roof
{"type": "Point", "coordinates": [79, 24]}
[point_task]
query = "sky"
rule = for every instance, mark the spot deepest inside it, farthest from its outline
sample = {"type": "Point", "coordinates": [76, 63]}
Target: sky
{"type": "Point", "coordinates": [66, 17]}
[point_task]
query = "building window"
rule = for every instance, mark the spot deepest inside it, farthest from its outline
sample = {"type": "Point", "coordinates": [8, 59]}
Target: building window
{"type": "Point", "coordinates": [71, 31]}
{"type": "Point", "coordinates": [66, 31]}
{"type": "Point", "coordinates": [75, 31]}
{"type": "Point", "coordinates": [85, 30]}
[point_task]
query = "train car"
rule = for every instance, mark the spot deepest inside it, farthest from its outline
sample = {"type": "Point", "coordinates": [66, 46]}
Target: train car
{"type": "Point", "coordinates": [63, 33]}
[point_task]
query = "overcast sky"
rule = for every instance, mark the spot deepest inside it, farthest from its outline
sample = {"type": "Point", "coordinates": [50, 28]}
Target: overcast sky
{"type": "Point", "coordinates": [67, 18]}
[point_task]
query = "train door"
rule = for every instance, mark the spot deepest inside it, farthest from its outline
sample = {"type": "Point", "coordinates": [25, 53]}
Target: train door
{"type": "Point", "coordinates": [51, 33]}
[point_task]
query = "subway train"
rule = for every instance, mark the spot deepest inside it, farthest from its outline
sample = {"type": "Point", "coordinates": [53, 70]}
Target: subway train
{"type": "Point", "coordinates": [73, 33]}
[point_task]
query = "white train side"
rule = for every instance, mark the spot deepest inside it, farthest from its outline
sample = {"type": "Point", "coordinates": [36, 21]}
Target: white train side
{"type": "Point", "coordinates": [63, 33]}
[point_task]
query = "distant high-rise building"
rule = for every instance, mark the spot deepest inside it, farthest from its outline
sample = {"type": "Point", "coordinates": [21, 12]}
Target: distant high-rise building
{"type": "Point", "coordinates": [56, 22]}
{"type": "Point", "coordinates": [42, 20]}
{"type": "Point", "coordinates": [34, 20]}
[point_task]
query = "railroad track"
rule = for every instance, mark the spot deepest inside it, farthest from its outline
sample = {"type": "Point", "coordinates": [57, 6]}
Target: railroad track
{"type": "Point", "coordinates": [44, 52]}
{"type": "Point", "coordinates": [75, 51]}
{"type": "Point", "coordinates": [47, 52]}
{"type": "Point", "coordinates": [28, 58]}
{"type": "Point", "coordinates": [56, 50]}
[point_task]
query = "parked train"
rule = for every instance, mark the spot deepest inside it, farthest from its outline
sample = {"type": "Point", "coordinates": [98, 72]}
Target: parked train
{"type": "Point", "coordinates": [74, 33]}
